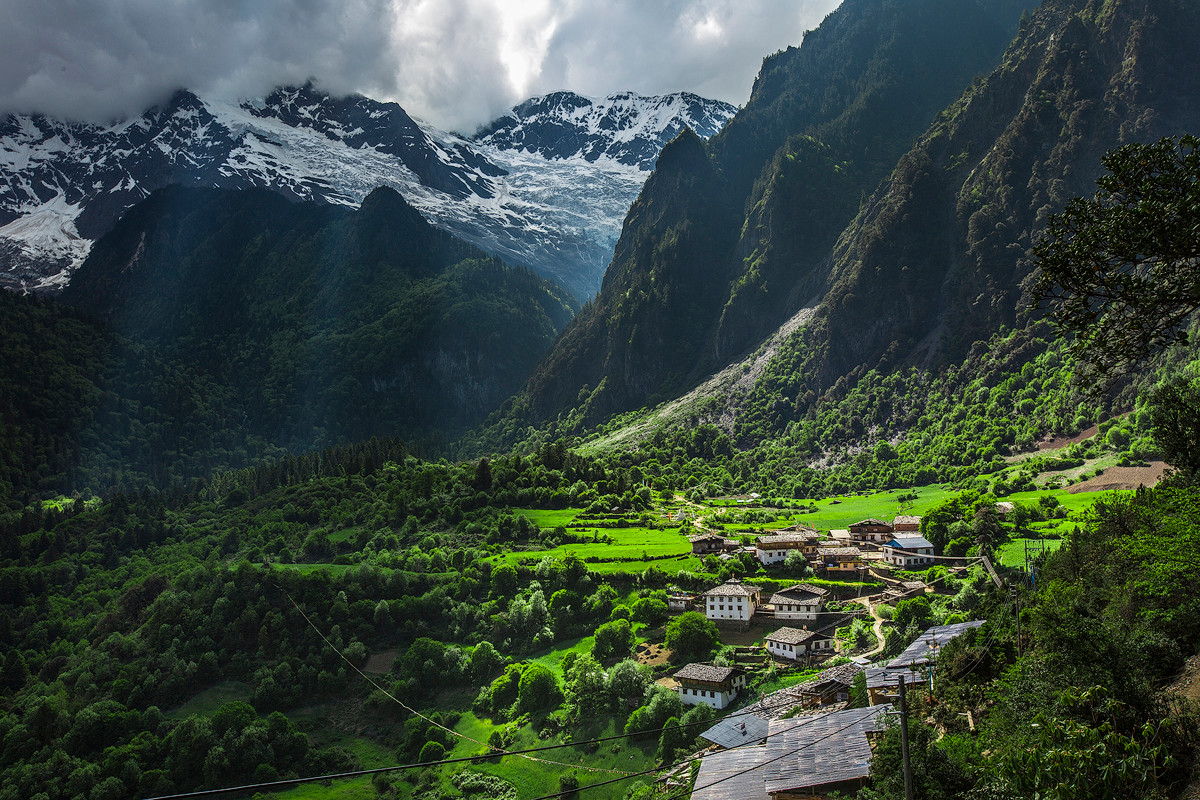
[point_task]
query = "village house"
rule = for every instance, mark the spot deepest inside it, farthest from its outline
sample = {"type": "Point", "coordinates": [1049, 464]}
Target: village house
{"type": "Point", "coordinates": [908, 551]}
{"type": "Point", "coordinates": [924, 649]}
{"type": "Point", "coordinates": [732, 601]}
{"type": "Point", "coordinates": [801, 601]}
{"type": "Point", "coordinates": [906, 523]}
{"type": "Point", "coordinates": [883, 684]}
{"type": "Point", "coordinates": [714, 686]}
{"type": "Point", "coordinates": [773, 548]}
{"type": "Point", "coordinates": [904, 590]}
{"type": "Point", "coordinates": [819, 755]}
{"type": "Point", "coordinates": [839, 562]}
{"type": "Point", "coordinates": [796, 643]}
{"type": "Point", "coordinates": [738, 730]}
{"type": "Point", "coordinates": [678, 602]}
{"type": "Point", "coordinates": [711, 543]}
{"type": "Point", "coordinates": [811, 546]}
{"type": "Point", "coordinates": [827, 687]}
{"type": "Point", "coordinates": [870, 530]}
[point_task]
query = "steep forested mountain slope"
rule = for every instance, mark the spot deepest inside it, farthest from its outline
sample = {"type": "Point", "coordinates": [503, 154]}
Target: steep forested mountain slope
{"type": "Point", "coordinates": [928, 271]}
{"type": "Point", "coordinates": [937, 258]}
{"type": "Point", "coordinates": [725, 238]}
{"type": "Point", "coordinates": [233, 324]}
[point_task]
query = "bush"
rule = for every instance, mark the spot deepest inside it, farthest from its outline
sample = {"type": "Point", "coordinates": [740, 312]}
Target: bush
{"type": "Point", "coordinates": [691, 636]}
{"type": "Point", "coordinates": [613, 639]}
{"type": "Point", "coordinates": [432, 751]}
{"type": "Point", "coordinates": [538, 689]}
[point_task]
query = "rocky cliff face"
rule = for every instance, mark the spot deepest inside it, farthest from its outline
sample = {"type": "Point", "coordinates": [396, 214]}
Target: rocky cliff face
{"type": "Point", "coordinates": [728, 239]}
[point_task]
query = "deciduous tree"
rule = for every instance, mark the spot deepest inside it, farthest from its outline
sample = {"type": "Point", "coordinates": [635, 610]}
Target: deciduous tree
{"type": "Point", "coordinates": [1121, 270]}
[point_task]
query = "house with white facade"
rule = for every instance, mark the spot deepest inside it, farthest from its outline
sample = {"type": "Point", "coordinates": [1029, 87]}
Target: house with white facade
{"type": "Point", "coordinates": [773, 548]}
{"type": "Point", "coordinates": [714, 686]}
{"type": "Point", "coordinates": [908, 551]}
{"type": "Point", "coordinates": [797, 643]}
{"type": "Point", "coordinates": [801, 601]}
{"type": "Point", "coordinates": [732, 601]}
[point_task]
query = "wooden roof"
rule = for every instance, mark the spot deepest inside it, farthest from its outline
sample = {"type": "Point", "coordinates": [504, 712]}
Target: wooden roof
{"type": "Point", "coordinates": [705, 672]}
{"type": "Point", "coordinates": [776, 539]}
{"type": "Point", "coordinates": [808, 752]}
{"type": "Point", "coordinates": [743, 729]}
{"type": "Point", "coordinates": [921, 651]}
{"type": "Point", "coordinates": [733, 588]}
{"type": "Point", "coordinates": [801, 594]}
{"type": "Point", "coordinates": [839, 552]}
{"type": "Point", "coordinates": [793, 635]}
{"type": "Point", "coordinates": [739, 772]}
{"type": "Point", "coordinates": [842, 674]}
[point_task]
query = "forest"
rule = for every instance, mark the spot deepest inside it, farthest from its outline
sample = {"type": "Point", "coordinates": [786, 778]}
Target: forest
{"type": "Point", "coordinates": [299, 545]}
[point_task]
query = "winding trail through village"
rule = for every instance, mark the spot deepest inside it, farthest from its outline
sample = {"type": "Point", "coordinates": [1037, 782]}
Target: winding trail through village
{"type": "Point", "coordinates": [877, 627]}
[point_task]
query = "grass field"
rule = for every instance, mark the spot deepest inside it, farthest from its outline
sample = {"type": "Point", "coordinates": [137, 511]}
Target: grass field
{"type": "Point", "coordinates": [1012, 554]}
{"type": "Point", "coordinates": [534, 778]}
{"type": "Point", "coordinates": [629, 545]}
{"type": "Point", "coordinates": [207, 702]}
{"type": "Point", "coordinates": [551, 518]}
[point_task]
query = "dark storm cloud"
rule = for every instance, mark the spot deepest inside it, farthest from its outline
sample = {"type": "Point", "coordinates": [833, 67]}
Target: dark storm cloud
{"type": "Point", "coordinates": [456, 63]}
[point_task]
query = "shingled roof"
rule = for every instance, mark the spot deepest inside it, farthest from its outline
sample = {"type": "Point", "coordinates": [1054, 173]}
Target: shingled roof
{"type": "Point", "coordinates": [793, 635]}
{"type": "Point", "coordinates": [838, 552]}
{"type": "Point", "coordinates": [808, 752]}
{"type": "Point", "coordinates": [841, 674]}
{"type": "Point", "coordinates": [733, 588]}
{"type": "Point", "coordinates": [771, 540]}
{"type": "Point", "coordinates": [742, 729]}
{"type": "Point", "coordinates": [704, 672]}
{"type": "Point", "coordinates": [920, 651]}
{"type": "Point", "coordinates": [732, 775]}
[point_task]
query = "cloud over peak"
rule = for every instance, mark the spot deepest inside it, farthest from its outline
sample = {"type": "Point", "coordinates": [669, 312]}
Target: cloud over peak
{"type": "Point", "coordinates": [455, 63]}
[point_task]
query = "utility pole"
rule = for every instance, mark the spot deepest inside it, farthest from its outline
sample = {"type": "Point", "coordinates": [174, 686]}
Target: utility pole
{"type": "Point", "coordinates": [908, 790]}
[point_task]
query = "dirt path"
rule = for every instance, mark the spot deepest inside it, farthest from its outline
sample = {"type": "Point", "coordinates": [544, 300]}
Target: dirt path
{"type": "Point", "coordinates": [1188, 686]}
{"type": "Point", "coordinates": [877, 627]}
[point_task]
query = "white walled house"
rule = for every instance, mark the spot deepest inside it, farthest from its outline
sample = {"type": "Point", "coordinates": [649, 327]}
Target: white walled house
{"type": "Point", "coordinates": [732, 600]}
{"type": "Point", "coordinates": [908, 551]}
{"type": "Point", "coordinates": [714, 686]}
{"type": "Point", "coordinates": [801, 601]}
{"type": "Point", "coordinates": [797, 643]}
{"type": "Point", "coordinates": [773, 548]}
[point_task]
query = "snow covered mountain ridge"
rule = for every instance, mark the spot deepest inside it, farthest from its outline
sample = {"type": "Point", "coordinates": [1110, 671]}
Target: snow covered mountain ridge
{"type": "Point", "coordinates": [547, 185]}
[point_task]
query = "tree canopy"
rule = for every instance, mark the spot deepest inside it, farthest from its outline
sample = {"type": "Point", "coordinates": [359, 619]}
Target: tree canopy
{"type": "Point", "coordinates": [1119, 269]}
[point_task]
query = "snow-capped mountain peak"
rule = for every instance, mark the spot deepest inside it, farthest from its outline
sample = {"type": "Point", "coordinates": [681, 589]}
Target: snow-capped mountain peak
{"type": "Point", "coordinates": [513, 189]}
{"type": "Point", "coordinates": [627, 127]}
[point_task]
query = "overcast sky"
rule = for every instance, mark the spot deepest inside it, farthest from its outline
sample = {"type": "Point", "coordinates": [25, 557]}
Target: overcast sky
{"type": "Point", "coordinates": [455, 63]}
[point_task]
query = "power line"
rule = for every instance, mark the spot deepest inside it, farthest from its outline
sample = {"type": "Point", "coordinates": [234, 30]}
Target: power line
{"type": "Point", "coordinates": [497, 753]}
{"type": "Point", "coordinates": [412, 710]}
{"type": "Point", "coordinates": [788, 754]}
{"type": "Point", "coordinates": [477, 758]}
